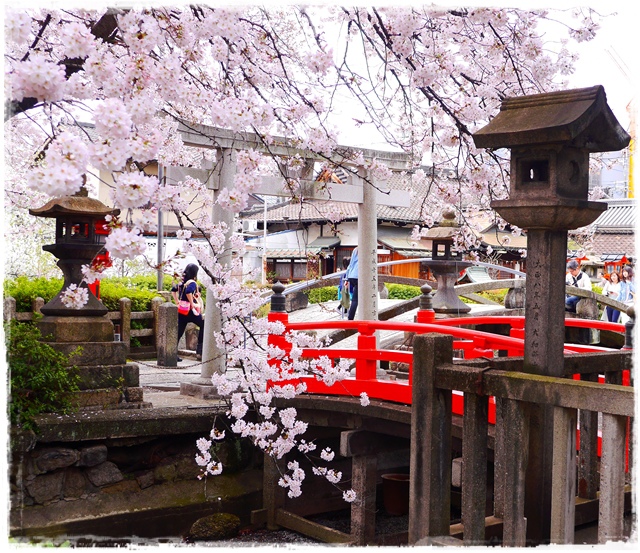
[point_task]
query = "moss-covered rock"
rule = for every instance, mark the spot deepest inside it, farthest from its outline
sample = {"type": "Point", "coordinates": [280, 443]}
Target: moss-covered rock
{"type": "Point", "coordinates": [218, 526]}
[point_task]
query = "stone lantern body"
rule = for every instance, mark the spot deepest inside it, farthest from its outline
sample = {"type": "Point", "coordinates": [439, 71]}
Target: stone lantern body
{"type": "Point", "coordinates": [446, 264]}
{"type": "Point", "coordinates": [550, 137]}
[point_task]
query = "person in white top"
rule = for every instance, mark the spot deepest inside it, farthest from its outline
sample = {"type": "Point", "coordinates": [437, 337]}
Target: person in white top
{"type": "Point", "coordinates": [612, 290]}
{"type": "Point", "coordinates": [575, 277]}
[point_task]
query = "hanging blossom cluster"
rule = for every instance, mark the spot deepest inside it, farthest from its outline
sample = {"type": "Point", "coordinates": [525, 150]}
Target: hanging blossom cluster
{"type": "Point", "coordinates": [74, 296]}
{"type": "Point", "coordinates": [424, 79]}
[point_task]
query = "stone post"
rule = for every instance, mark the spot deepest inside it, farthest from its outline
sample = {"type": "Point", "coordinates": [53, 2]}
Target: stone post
{"type": "Point", "coordinates": [543, 354]}
{"type": "Point", "coordinates": [125, 321]}
{"type": "Point", "coordinates": [9, 311]}
{"type": "Point", "coordinates": [155, 307]}
{"type": "Point", "coordinates": [37, 305]}
{"type": "Point", "coordinates": [367, 255]}
{"type": "Point", "coordinates": [430, 462]}
{"type": "Point", "coordinates": [167, 337]}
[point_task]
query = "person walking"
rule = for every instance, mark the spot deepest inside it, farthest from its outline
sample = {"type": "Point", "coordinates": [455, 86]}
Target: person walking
{"type": "Point", "coordinates": [612, 290]}
{"type": "Point", "coordinates": [352, 276]}
{"type": "Point", "coordinates": [578, 278]}
{"type": "Point", "coordinates": [344, 295]}
{"type": "Point", "coordinates": [187, 291]}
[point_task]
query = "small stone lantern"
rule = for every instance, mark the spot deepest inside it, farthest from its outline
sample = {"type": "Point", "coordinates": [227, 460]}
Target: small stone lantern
{"type": "Point", "coordinates": [446, 264]}
{"type": "Point", "coordinates": [87, 334]}
{"type": "Point", "coordinates": [77, 243]}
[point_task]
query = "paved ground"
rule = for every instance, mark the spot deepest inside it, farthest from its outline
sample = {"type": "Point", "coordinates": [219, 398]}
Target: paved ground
{"type": "Point", "coordinates": [162, 385]}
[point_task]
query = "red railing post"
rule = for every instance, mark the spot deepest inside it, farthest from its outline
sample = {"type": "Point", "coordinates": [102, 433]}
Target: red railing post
{"type": "Point", "coordinates": [516, 331]}
{"type": "Point", "coordinates": [278, 313]}
{"type": "Point", "coordinates": [425, 314]}
{"type": "Point", "coordinates": [366, 368]}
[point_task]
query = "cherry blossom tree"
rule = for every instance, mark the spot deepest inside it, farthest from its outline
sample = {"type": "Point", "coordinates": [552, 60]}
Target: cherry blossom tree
{"type": "Point", "coordinates": [423, 78]}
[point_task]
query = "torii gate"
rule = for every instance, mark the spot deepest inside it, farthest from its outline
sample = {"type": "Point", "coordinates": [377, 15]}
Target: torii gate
{"type": "Point", "coordinates": [355, 190]}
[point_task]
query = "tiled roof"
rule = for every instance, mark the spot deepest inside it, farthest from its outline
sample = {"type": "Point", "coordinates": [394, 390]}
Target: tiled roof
{"type": "Point", "coordinates": [291, 253]}
{"type": "Point", "coordinates": [400, 239]}
{"type": "Point", "coordinates": [619, 217]}
{"type": "Point", "coordinates": [322, 210]}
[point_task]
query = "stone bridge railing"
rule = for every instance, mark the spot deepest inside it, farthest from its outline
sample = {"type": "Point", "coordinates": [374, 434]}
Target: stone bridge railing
{"type": "Point", "coordinates": [569, 400]}
{"type": "Point", "coordinates": [516, 294]}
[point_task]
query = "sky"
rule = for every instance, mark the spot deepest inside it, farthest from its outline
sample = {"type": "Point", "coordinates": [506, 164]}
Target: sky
{"type": "Point", "coordinates": [611, 59]}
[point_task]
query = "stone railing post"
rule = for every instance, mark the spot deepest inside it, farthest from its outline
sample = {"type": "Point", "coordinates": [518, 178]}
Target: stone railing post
{"type": "Point", "coordinates": [629, 328]}
{"type": "Point", "coordinates": [36, 305]}
{"type": "Point", "coordinates": [516, 296]}
{"type": "Point", "coordinates": [155, 306]}
{"type": "Point", "coordinates": [9, 309]}
{"type": "Point", "coordinates": [167, 335]}
{"type": "Point", "coordinates": [430, 457]}
{"type": "Point", "coordinates": [125, 321]}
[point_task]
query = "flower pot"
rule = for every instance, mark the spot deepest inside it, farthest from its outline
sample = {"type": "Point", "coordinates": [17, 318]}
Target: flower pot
{"type": "Point", "coordinates": [395, 493]}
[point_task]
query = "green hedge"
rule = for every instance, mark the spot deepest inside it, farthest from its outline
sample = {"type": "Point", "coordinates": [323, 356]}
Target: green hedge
{"type": "Point", "coordinates": [24, 290]}
{"type": "Point", "coordinates": [112, 292]}
{"type": "Point", "coordinates": [138, 290]}
{"type": "Point", "coordinates": [402, 291]}
{"type": "Point", "coordinates": [320, 295]}
{"type": "Point", "coordinates": [396, 292]}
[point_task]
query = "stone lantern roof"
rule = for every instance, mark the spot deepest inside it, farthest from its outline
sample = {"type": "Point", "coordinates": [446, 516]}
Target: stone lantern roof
{"type": "Point", "coordinates": [74, 205]}
{"type": "Point", "coordinates": [579, 118]}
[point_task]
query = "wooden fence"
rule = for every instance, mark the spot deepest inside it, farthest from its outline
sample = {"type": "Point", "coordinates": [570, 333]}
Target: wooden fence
{"type": "Point", "coordinates": [122, 318]}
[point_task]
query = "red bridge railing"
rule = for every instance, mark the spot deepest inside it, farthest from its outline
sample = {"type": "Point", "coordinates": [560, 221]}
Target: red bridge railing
{"type": "Point", "coordinates": [470, 344]}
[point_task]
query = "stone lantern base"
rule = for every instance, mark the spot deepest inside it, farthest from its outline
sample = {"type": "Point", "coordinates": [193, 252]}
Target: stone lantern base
{"type": "Point", "coordinates": [107, 381]}
{"type": "Point", "coordinates": [76, 329]}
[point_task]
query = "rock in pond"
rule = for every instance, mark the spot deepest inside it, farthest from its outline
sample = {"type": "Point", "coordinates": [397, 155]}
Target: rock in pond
{"type": "Point", "coordinates": [218, 526]}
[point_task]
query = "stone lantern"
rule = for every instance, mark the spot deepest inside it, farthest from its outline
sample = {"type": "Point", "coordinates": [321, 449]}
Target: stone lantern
{"type": "Point", "coordinates": [550, 137]}
{"type": "Point", "coordinates": [77, 243]}
{"type": "Point", "coordinates": [446, 264]}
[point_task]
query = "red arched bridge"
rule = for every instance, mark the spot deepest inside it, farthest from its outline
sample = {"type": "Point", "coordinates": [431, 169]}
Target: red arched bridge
{"type": "Point", "coordinates": [468, 386]}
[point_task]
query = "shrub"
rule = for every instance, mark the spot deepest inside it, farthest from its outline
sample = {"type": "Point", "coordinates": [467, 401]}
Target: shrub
{"type": "Point", "coordinates": [402, 291]}
{"type": "Point", "coordinates": [24, 290]}
{"type": "Point", "coordinates": [141, 282]}
{"type": "Point", "coordinates": [320, 295]}
{"type": "Point", "coordinates": [40, 379]}
{"type": "Point", "coordinates": [495, 295]}
{"type": "Point", "coordinates": [112, 292]}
